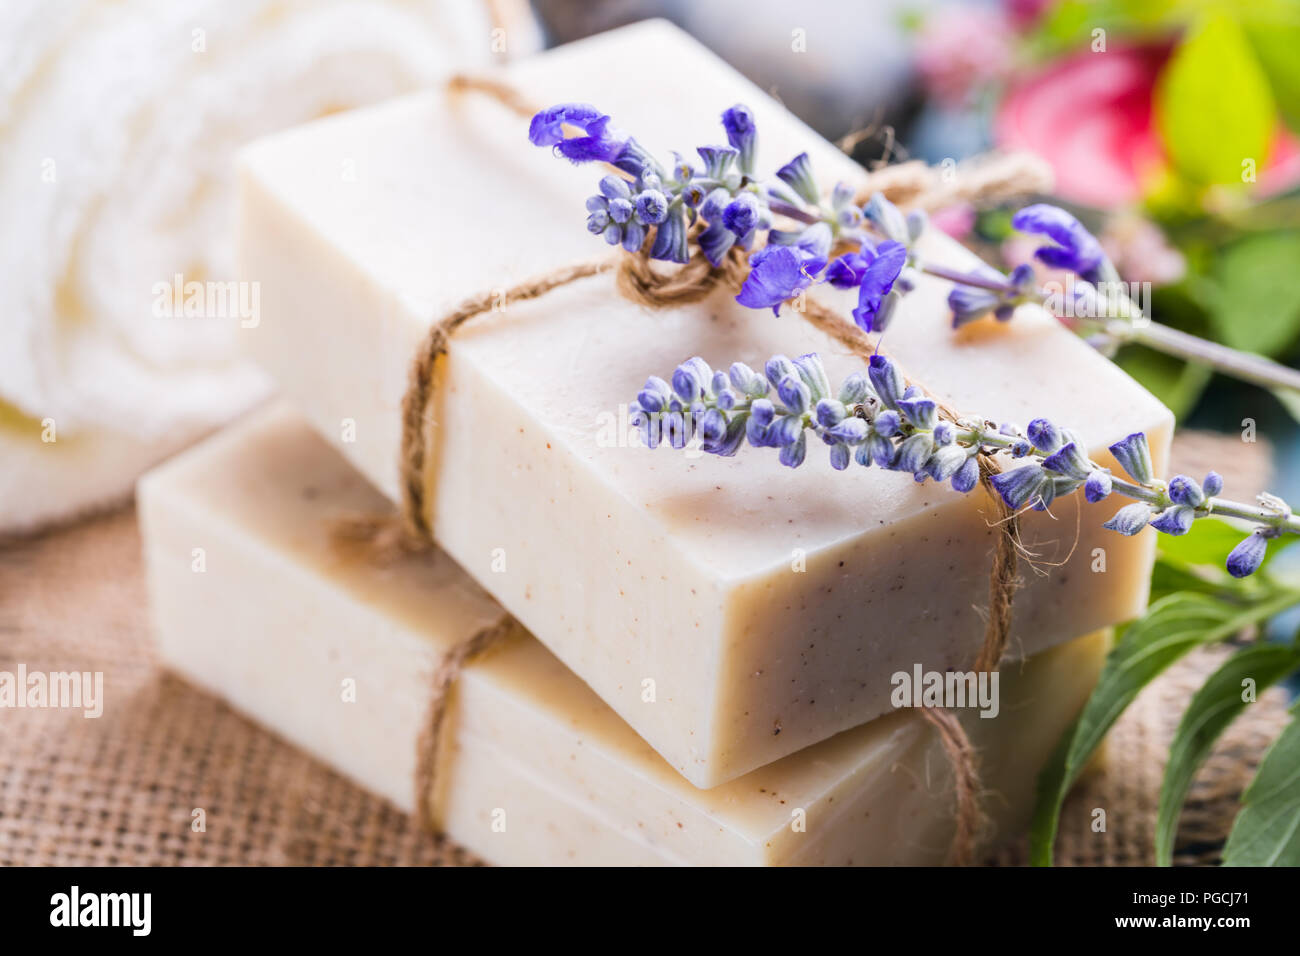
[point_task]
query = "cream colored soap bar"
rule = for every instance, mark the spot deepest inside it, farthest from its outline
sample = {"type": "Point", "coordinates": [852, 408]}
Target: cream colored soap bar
{"type": "Point", "coordinates": [336, 655]}
{"type": "Point", "coordinates": [766, 608]}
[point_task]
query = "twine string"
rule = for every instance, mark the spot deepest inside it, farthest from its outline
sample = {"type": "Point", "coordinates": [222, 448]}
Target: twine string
{"type": "Point", "coordinates": [639, 281]}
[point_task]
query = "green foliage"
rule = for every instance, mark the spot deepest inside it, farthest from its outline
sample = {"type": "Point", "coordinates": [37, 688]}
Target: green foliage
{"type": "Point", "coordinates": [1213, 105]}
{"type": "Point", "coordinates": [1174, 625]}
{"type": "Point", "coordinates": [1212, 709]}
{"type": "Point", "coordinates": [1275, 41]}
{"type": "Point", "coordinates": [1177, 383]}
{"type": "Point", "coordinates": [1255, 293]}
{"type": "Point", "coordinates": [1267, 830]}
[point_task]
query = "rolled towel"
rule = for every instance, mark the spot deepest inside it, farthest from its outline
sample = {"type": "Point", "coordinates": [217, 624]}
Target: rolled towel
{"type": "Point", "coordinates": [118, 121]}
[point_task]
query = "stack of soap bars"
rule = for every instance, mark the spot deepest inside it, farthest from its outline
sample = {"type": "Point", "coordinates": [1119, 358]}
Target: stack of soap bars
{"type": "Point", "coordinates": [695, 655]}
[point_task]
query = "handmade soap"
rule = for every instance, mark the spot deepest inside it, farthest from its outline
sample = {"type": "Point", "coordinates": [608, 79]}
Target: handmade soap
{"type": "Point", "coordinates": [252, 602]}
{"type": "Point", "coordinates": [764, 608]}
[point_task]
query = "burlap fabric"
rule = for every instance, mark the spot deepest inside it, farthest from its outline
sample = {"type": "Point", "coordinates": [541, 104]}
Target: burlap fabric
{"type": "Point", "coordinates": [122, 789]}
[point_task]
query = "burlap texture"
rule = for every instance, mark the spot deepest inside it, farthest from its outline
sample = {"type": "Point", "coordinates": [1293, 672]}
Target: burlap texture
{"type": "Point", "coordinates": [121, 789]}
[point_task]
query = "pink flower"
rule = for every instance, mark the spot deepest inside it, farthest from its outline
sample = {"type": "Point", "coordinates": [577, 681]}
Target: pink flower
{"type": "Point", "coordinates": [1025, 12]}
{"type": "Point", "coordinates": [1089, 115]}
{"type": "Point", "coordinates": [957, 221]}
{"type": "Point", "coordinates": [960, 49]}
{"type": "Point", "coordinates": [1140, 251]}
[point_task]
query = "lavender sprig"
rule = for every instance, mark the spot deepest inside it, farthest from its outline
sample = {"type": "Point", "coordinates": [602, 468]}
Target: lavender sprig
{"type": "Point", "coordinates": [737, 210]}
{"type": "Point", "coordinates": [877, 419]}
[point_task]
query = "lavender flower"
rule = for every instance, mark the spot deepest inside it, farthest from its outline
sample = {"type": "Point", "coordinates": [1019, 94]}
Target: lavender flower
{"type": "Point", "coordinates": [1245, 559]}
{"type": "Point", "coordinates": [741, 134]}
{"type": "Point", "coordinates": [879, 420]}
{"type": "Point", "coordinates": [1076, 249]}
{"type": "Point", "coordinates": [1134, 455]}
{"type": "Point", "coordinates": [777, 273]}
{"type": "Point", "coordinates": [877, 297]}
{"type": "Point", "coordinates": [597, 144]}
{"type": "Point", "coordinates": [1130, 519]}
{"type": "Point", "coordinates": [971, 302]}
{"type": "Point", "coordinates": [798, 175]}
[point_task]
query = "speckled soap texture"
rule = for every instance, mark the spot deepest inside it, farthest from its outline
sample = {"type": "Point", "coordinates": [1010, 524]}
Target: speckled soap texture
{"type": "Point", "coordinates": [336, 655]}
{"type": "Point", "coordinates": [769, 607]}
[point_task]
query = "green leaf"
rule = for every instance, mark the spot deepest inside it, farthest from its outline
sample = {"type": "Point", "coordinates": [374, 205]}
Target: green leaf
{"type": "Point", "coordinates": [1213, 104]}
{"type": "Point", "coordinates": [1172, 627]}
{"type": "Point", "coordinates": [1177, 383]}
{"type": "Point", "coordinates": [1213, 707]}
{"type": "Point", "coordinates": [1170, 575]}
{"type": "Point", "coordinates": [1267, 830]}
{"type": "Point", "coordinates": [1275, 42]}
{"type": "Point", "coordinates": [1288, 400]}
{"type": "Point", "coordinates": [1255, 298]}
{"type": "Point", "coordinates": [1208, 542]}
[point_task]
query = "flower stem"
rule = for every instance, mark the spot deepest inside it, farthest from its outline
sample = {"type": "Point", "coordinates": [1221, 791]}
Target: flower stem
{"type": "Point", "coordinates": [966, 278]}
{"type": "Point", "coordinates": [792, 212]}
{"type": "Point", "coordinates": [1241, 365]}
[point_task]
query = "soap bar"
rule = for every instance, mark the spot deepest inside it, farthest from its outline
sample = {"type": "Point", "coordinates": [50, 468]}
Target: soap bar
{"type": "Point", "coordinates": [764, 607]}
{"type": "Point", "coordinates": [336, 654]}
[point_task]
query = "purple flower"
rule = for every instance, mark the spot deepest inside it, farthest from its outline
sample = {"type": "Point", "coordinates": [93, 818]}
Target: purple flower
{"type": "Point", "coordinates": [1045, 436]}
{"type": "Point", "coordinates": [715, 241]}
{"type": "Point", "coordinates": [1077, 249]}
{"type": "Point", "coordinates": [798, 175]}
{"type": "Point", "coordinates": [1176, 520]}
{"type": "Point", "coordinates": [1213, 484]}
{"type": "Point", "coordinates": [886, 380]}
{"type": "Point", "coordinates": [888, 218]}
{"type": "Point", "coordinates": [967, 476]}
{"type": "Point", "coordinates": [1021, 485]}
{"type": "Point", "coordinates": [946, 461]}
{"type": "Point", "coordinates": [741, 133]}
{"type": "Point", "coordinates": [1069, 461]}
{"type": "Point", "coordinates": [656, 395]}
{"type": "Point", "coordinates": [845, 272]}
{"type": "Point", "coordinates": [815, 243]}
{"type": "Point", "coordinates": [919, 412]}
{"type": "Point", "coordinates": [716, 160]}
{"type": "Point", "coordinates": [792, 455]}
{"type": "Point", "coordinates": [971, 302]}
{"type": "Point", "coordinates": [854, 389]}
{"type": "Point", "coordinates": [913, 453]}
{"type": "Point", "coordinates": [597, 144]}
{"type": "Point", "coordinates": [852, 431]}
{"type": "Point", "coordinates": [651, 207]}
{"type": "Point", "coordinates": [776, 274]}
{"type": "Point", "coordinates": [875, 302]}
{"type": "Point", "coordinates": [1130, 519]}
{"type": "Point", "coordinates": [829, 412]}
{"type": "Point", "coordinates": [1098, 486]}
{"type": "Point", "coordinates": [670, 239]}
{"type": "Point", "coordinates": [741, 215]}
{"type": "Point", "coordinates": [1185, 491]}
{"type": "Point", "coordinates": [1245, 559]}
{"type": "Point", "coordinates": [888, 423]}
{"type": "Point", "coordinates": [794, 394]}
{"type": "Point", "coordinates": [1134, 455]}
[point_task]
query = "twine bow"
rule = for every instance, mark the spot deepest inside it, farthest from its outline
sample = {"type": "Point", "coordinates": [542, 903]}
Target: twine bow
{"type": "Point", "coordinates": [638, 280]}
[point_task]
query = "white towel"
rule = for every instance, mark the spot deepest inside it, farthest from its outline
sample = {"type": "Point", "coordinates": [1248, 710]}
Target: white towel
{"type": "Point", "coordinates": [118, 122]}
